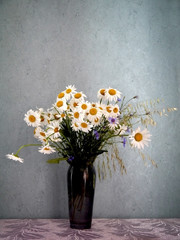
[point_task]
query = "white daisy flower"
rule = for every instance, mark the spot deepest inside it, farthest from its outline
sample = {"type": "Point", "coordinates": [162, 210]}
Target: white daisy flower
{"type": "Point", "coordinates": [85, 126]}
{"type": "Point", "coordinates": [69, 91]}
{"type": "Point", "coordinates": [112, 94]}
{"type": "Point", "coordinates": [94, 113]}
{"type": "Point", "coordinates": [120, 130]}
{"type": "Point", "coordinates": [54, 115]}
{"type": "Point", "coordinates": [73, 104]}
{"type": "Point", "coordinates": [96, 121]}
{"type": "Point", "coordinates": [108, 111]}
{"type": "Point", "coordinates": [39, 133]}
{"type": "Point", "coordinates": [53, 129]}
{"type": "Point", "coordinates": [123, 129]}
{"type": "Point", "coordinates": [55, 139]}
{"type": "Point", "coordinates": [47, 149]}
{"type": "Point", "coordinates": [14, 157]}
{"type": "Point", "coordinates": [32, 118]}
{"type": "Point", "coordinates": [61, 105]}
{"type": "Point", "coordinates": [44, 116]}
{"type": "Point", "coordinates": [77, 115]}
{"type": "Point", "coordinates": [79, 96]}
{"type": "Point", "coordinates": [61, 96]}
{"type": "Point", "coordinates": [44, 141]}
{"type": "Point", "coordinates": [115, 110]}
{"type": "Point", "coordinates": [75, 125]}
{"type": "Point", "coordinates": [140, 138]}
{"type": "Point", "coordinates": [101, 93]}
{"type": "Point", "coordinates": [83, 106]}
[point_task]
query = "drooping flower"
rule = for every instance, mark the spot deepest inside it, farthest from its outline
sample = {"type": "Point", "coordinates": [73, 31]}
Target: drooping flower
{"type": "Point", "coordinates": [14, 157]}
{"type": "Point", "coordinates": [32, 118]}
{"type": "Point", "coordinates": [47, 149]}
{"type": "Point", "coordinates": [140, 138]}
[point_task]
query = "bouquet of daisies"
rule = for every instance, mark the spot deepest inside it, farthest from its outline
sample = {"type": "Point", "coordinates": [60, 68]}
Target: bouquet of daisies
{"type": "Point", "coordinates": [79, 130]}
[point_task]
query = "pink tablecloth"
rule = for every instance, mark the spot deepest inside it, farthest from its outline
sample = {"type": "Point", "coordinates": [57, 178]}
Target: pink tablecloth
{"type": "Point", "coordinates": [110, 229]}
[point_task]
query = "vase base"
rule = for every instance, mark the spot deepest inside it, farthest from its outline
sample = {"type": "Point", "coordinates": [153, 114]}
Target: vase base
{"type": "Point", "coordinates": [80, 226]}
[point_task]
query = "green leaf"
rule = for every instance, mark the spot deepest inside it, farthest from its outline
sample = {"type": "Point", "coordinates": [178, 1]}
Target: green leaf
{"type": "Point", "coordinates": [56, 160]}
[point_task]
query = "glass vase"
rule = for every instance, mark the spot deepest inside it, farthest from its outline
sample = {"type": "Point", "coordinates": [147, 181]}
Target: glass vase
{"type": "Point", "coordinates": [81, 188]}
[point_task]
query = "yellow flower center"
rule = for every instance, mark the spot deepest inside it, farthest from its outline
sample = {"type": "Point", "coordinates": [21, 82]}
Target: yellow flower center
{"type": "Point", "coordinates": [75, 104]}
{"type": "Point", "coordinates": [32, 118]}
{"type": "Point", "coordinates": [61, 95]}
{"type": "Point", "coordinates": [93, 111]}
{"type": "Point", "coordinates": [62, 115]}
{"type": "Point", "coordinates": [59, 104]}
{"type": "Point", "coordinates": [56, 130]}
{"type": "Point", "coordinates": [42, 134]}
{"type": "Point", "coordinates": [84, 106]}
{"type": "Point", "coordinates": [112, 91]}
{"type": "Point", "coordinates": [68, 90]}
{"type": "Point", "coordinates": [77, 95]}
{"type": "Point", "coordinates": [46, 148]}
{"type": "Point", "coordinates": [102, 92]}
{"type": "Point", "coordinates": [93, 104]}
{"type": "Point", "coordinates": [115, 110]}
{"type": "Point", "coordinates": [56, 117]}
{"type": "Point", "coordinates": [108, 109]}
{"type": "Point", "coordinates": [35, 131]}
{"type": "Point", "coordinates": [96, 120]}
{"type": "Point", "coordinates": [75, 125]}
{"type": "Point", "coordinates": [84, 125]}
{"type": "Point", "coordinates": [42, 118]}
{"type": "Point", "coordinates": [138, 137]}
{"type": "Point", "coordinates": [76, 115]}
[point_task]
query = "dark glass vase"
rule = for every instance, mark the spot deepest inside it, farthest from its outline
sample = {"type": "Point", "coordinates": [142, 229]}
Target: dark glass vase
{"type": "Point", "coordinates": [81, 187]}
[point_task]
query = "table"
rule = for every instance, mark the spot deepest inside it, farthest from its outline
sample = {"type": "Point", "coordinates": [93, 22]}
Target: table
{"type": "Point", "coordinates": [106, 229]}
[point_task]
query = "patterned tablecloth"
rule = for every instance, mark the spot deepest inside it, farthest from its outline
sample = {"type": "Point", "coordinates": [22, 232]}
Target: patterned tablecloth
{"type": "Point", "coordinates": [110, 229]}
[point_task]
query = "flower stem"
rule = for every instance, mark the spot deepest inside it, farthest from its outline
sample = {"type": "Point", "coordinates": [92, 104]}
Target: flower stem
{"type": "Point", "coordinates": [27, 145]}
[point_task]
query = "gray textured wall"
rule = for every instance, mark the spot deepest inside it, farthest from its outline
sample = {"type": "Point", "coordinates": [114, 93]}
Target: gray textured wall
{"type": "Point", "coordinates": [45, 45]}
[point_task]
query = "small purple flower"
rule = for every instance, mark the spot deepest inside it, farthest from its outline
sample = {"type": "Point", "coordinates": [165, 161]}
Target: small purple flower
{"type": "Point", "coordinates": [113, 120]}
{"type": "Point", "coordinates": [70, 159]}
{"type": "Point", "coordinates": [118, 99]}
{"type": "Point", "coordinates": [124, 142]}
{"type": "Point", "coordinates": [97, 136]}
{"type": "Point", "coordinates": [128, 130]}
